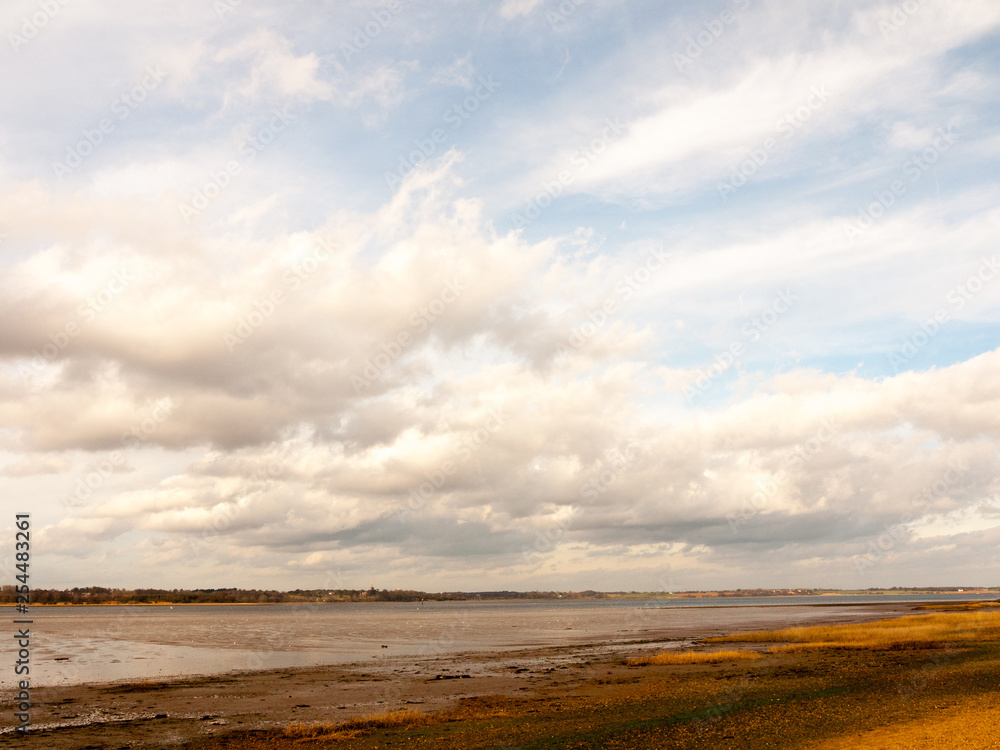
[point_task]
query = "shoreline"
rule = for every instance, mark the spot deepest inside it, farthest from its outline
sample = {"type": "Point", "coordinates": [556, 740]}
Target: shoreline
{"type": "Point", "coordinates": [268, 641]}
{"type": "Point", "coordinates": [127, 651]}
{"type": "Point", "coordinates": [901, 598]}
{"type": "Point", "coordinates": [111, 714]}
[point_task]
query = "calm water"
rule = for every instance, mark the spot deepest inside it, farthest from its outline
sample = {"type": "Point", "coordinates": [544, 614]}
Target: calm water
{"type": "Point", "coordinates": [88, 644]}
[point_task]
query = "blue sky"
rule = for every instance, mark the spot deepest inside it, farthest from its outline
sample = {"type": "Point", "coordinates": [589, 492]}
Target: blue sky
{"type": "Point", "coordinates": [271, 271]}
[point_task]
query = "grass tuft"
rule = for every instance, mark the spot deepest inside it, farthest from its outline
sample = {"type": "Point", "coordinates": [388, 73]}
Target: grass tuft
{"type": "Point", "coordinates": [351, 727]}
{"type": "Point", "coordinates": [693, 657]}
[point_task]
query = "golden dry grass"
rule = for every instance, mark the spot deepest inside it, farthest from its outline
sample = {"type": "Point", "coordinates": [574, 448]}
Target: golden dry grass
{"type": "Point", "coordinates": [384, 721]}
{"type": "Point", "coordinates": [962, 605]}
{"type": "Point", "coordinates": [350, 728]}
{"type": "Point", "coordinates": [693, 657]}
{"type": "Point", "coordinates": [905, 632]}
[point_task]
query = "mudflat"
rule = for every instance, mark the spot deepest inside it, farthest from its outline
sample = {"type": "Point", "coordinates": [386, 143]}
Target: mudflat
{"type": "Point", "coordinates": [921, 684]}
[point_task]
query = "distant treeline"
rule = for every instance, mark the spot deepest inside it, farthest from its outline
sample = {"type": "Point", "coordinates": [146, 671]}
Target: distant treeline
{"type": "Point", "coordinates": [101, 595]}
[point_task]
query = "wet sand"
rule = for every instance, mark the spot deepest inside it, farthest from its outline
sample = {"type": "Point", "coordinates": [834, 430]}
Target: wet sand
{"type": "Point", "coordinates": [101, 644]}
{"type": "Point", "coordinates": [144, 714]}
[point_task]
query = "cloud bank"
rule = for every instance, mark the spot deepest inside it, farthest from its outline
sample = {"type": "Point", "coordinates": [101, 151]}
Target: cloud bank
{"type": "Point", "coordinates": [685, 298]}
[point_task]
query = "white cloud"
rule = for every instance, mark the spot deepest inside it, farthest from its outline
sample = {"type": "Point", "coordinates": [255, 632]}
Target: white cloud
{"type": "Point", "coordinates": [515, 8]}
{"type": "Point", "coordinates": [684, 135]}
{"type": "Point", "coordinates": [32, 465]}
{"type": "Point", "coordinates": [339, 484]}
{"type": "Point", "coordinates": [276, 74]}
{"type": "Point", "coordinates": [459, 73]}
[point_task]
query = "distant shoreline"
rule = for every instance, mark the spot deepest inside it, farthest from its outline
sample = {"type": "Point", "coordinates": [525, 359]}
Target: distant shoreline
{"type": "Point", "coordinates": [473, 599]}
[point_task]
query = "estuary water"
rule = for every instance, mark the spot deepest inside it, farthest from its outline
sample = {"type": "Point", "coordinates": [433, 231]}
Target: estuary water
{"type": "Point", "coordinates": [73, 645]}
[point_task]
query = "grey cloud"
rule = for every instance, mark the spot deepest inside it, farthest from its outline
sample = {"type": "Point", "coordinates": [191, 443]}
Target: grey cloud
{"type": "Point", "coordinates": [424, 536]}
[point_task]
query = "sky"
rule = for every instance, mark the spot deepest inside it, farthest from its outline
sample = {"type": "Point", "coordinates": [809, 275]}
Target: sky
{"type": "Point", "coordinates": [507, 294]}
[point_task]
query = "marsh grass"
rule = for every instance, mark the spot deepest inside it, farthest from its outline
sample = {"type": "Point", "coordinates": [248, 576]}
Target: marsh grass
{"type": "Point", "coordinates": [916, 631]}
{"type": "Point", "coordinates": [693, 657]}
{"type": "Point", "coordinates": [962, 606]}
{"type": "Point", "coordinates": [352, 727]}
